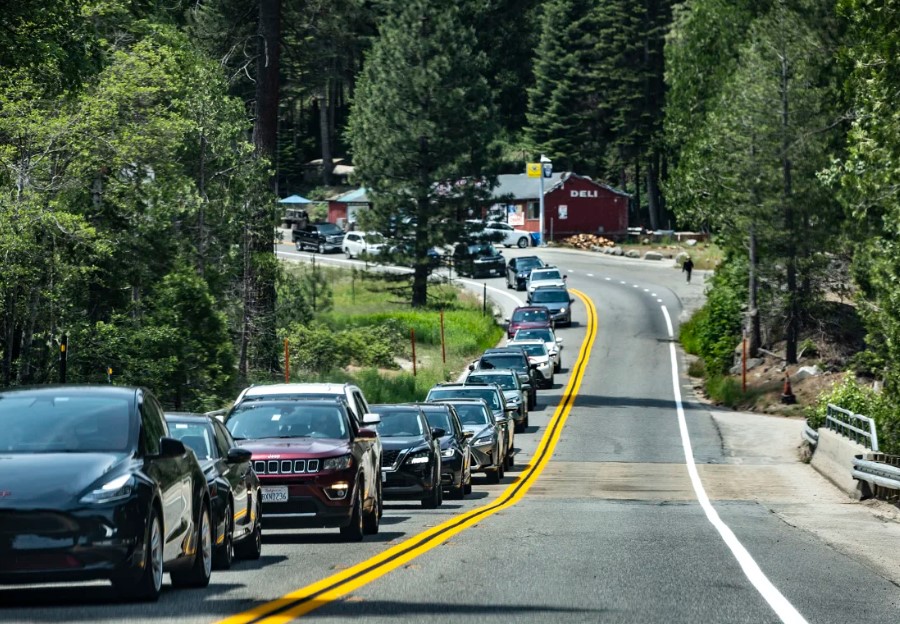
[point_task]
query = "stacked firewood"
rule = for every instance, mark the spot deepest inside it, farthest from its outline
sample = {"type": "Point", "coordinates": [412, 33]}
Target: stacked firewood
{"type": "Point", "coordinates": [587, 241]}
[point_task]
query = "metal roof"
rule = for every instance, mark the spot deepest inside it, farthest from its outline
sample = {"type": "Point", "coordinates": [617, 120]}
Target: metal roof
{"type": "Point", "coordinates": [359, 196]}
{"type": "Point", "coordinates": [519, 186]}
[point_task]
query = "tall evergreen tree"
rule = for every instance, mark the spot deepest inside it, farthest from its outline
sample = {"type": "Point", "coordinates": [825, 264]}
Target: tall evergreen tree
{"type": "Point", "coordinates": [422, 125]}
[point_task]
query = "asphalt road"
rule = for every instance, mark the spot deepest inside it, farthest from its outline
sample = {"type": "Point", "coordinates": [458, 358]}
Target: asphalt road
{"type": "Point", "coordinates": [609, 528]}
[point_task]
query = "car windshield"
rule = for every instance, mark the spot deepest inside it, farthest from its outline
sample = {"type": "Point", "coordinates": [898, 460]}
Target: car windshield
{"type": "Point", "coordinates": [550, 296]}
{"type": "Point", "coordinates": [534, 349]}
{"type": "Point", "coordinates": [64, 424]}
{"type": "Point", "coordinates": [288, 420]}
{"type": "Point", "coordinates": [195, 436]}
{"type": "Point", "coordinates": [528, 263]}
{"type": "Point", "coordinates": [507, 382]}
{"type": "Point", "coordinates": [511, 360]}
{"type": "Point", "coordinates": [537, 276]}
{"type": "Point", "coordinates": [471, 414]}
{"type": "Point", "coordinates": [530, 316]}
{"type": "Point", "coordinates": [398, 423]}
{"type": "Point", "coordinates": [534, 334]}
{"type": "Point", "coordinates": [438, 419]}
{"type": "Point", "coordinates": [490, 395]}
{"type": "Point", "coordinates": [329, 229]}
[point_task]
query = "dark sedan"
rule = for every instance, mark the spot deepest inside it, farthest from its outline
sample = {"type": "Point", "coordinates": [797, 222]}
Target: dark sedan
{"type": "Point", "coordinates": [488, 453]}
{"type": "Point", "coordinates": [234, 488]}
{"type": "Point", "coordinates": [93, 487]}
{"type": "Point", "coordinates": [317, 465]}
{"type": "Point", "coordinates": [518, 270]}
{"type": "Point", "coordinates": [411, 454]}
{"type": "Point", "coordinates": [456, 456]}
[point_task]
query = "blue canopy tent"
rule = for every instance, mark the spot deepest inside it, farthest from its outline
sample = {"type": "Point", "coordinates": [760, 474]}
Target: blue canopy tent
{"type": "Point", "coordinates": [295, 199]}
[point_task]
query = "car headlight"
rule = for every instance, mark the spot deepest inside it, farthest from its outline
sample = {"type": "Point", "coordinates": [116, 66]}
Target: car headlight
{"type": "Point", "coordinates": [448, 452]}
{"type": "Point", "coordinates": [338, 463]}
{"type": "Point", "coordinates": [484, 441]}
{"type": "Point", "coordinates": [419, 457]}
{"type": "Point", "coordinates": [562, 310]}
{"type": "Point", "coordinates": [514, 399]}
{"type": "Point", "coordinates": [111, 491]}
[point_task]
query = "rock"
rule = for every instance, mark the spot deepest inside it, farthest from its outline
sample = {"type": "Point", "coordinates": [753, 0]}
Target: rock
{"type": "Point", "coordinates": [653, 255]}
{"type": "Point", "coordinates": [690, 242]}
{"type": "Point", "coordinates": [617, 251]}
{"type": "Point", "coordinates": [633, 253]}
{"type": "Point", "coordinates": [751, 364]}
{"type": "Point", "coordinates": [807, 371]}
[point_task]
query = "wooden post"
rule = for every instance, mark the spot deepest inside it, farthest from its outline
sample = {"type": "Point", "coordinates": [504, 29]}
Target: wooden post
{"type": "Point", "coordinates": [484, 300]}
{"type": "Point", "coordinates": [63, 355]}
{"type": "Point", "coordinates": [412, 339]}
{"type": "Point", "coordinates": [443, 346]}
{"type": "Point", "coordinates": [287, 362]}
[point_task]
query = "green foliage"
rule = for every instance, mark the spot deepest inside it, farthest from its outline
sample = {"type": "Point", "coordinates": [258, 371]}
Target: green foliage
{"type": "Point", "coordinates": [714, 330]}
{"type": "Point", "coordinates": [861, 399]}
{"type": "Point", "coordinates": [724, 390]}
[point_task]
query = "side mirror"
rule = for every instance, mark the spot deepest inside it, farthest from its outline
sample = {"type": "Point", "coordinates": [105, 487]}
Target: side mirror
{"type": "Point", "coordinates": [565, 277]}
{"type": "Point", "coordinates": [238, 455]}
{"type": "Point", "coordinates": [438, 432]}
{"type": "Point", "coordinates": [506, 320]}
{"type": "Point", "coordinates": [471, 367]}
{"type": "Point", "coordinates": [571, 299]}
{"type": "Point", "coordinates": [371, 419]}
{"type": "Point", "coordinates": [367, 434]}
{"type": "Point", "coordinates": [500, 419]}
{"type": "Point", "coordinates": [559, 341]}
{"type": "Point", "coordinates": [169, 448]}
{"type": "Point", "coordinates": [468, 435]}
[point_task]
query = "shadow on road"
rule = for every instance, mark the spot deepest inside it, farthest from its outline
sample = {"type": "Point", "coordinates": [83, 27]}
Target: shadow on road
{"type": "Point", "coordinates": [350, 608]}
{"type": "Point", "coordinates": [323, 538]}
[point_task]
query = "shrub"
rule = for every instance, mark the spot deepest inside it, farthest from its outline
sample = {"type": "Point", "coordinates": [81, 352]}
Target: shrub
{"type": "Point", "coordinates": [861, 399]}
{"type": "Point", "coordinates": [724, 390]}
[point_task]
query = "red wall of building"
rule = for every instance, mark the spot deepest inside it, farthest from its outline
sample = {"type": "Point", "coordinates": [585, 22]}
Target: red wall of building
{"type": "Point", "coordinates": [580, 206]}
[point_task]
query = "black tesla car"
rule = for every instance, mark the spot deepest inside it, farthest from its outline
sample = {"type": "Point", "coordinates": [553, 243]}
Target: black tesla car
{"type": "Point", "coordinates": [234, 488]}
{"type": "Point", "coordinates": [92, 486]}
{"type": "Point", "coordinates": [456, 456]}
{"type": "Point", "coordinates": [411, 456]}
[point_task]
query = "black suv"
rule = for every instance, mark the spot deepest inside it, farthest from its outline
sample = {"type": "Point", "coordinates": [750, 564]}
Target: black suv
{"type": "Point", "coordinates": [516, 359]}
{"type": "Point", "coordinates": [411, 460]}
{"type": "Point", "coordinates": [478, 260]}
{"type": "Point", "coordinates": [518, 270]}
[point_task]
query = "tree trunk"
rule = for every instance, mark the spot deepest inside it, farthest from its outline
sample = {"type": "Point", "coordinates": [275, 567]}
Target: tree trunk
{"type": "Point", "coordinates": [653, 189]}
{"type": "Point", "coordinates": [792, 330]}
{"type": "Point", "coordinates": [637, 189]}
{"type": "Point", "coordinates": [325, 132]}
{"type": "Point", "coordinates": [201, 213]}
{"type": "Point", "coordinates": [754, 341]}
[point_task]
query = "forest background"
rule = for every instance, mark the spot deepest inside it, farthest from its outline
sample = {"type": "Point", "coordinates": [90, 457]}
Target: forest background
{"type": "Point", "coordinates": [144, 145]}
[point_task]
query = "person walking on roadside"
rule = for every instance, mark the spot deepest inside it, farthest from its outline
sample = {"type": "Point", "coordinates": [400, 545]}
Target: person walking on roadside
{"type": "Point", "coordinates": [686, 267]}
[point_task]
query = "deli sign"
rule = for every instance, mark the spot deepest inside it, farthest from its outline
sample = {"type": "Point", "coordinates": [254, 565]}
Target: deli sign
{"type": "Point", "coordinates": [574, 193]}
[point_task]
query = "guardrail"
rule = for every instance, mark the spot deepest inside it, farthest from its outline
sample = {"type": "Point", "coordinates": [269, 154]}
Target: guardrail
{"type": "Point", "coordinates": [844, 422]}
{"type": "Point", "coordinates": [810, 435]}
{"type": "Point", "coordinates": [879, 470]}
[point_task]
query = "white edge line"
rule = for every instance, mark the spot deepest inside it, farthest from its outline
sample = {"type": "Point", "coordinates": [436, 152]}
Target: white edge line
{"type": "Point", "coordinates": [784, 609]}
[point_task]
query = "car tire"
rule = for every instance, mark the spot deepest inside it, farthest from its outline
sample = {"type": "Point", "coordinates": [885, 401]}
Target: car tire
{"type": "Point", "coordinates": [321, 248]}
{"type": "Point", "coordinates": [510, 460]}
{"type": "Point", "coordinates": [298, 246]}
{"type": "Point", "coordinates": [224, 553]}
{"type": "Point", "coordinates": [199, 573]}
{"type": "Point", "coordinates": [523, 242]}
{"type": "Point", "coordinates": [557, 367]}
{"type": "Point", "coordinates": [494, 476]}
{"type": "Point", "coordinates": [348, 254]}
{"type": "Point", "coordinates": [372, 520]}
{"type": "Point", "coordinates": [435, 497]}
{"type": "Point", "coordinates": [520, 426]}
{"type": "Point", "coordinates": [459, 492]}
{"type": "Point", "coordinates": [251, 546]}
{"type": "Point", "coordinates": [355, 530]}
{"type": "Point", "coordinates": [532, 400]}
{"type": "Point", "coordinates": [145, 583]}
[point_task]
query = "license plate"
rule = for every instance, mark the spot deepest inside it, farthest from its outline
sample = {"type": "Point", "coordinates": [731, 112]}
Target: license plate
{"type": "Point", "coordinates": [277, 494]}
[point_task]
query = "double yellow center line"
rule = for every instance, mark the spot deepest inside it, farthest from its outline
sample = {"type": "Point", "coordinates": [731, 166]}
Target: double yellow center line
{"type": "Point", "coordinates": [306, 599]}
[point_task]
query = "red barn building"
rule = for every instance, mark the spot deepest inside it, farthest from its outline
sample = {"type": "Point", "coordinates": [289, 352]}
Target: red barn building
{"type": "Point", "coordinates": [573, 204]}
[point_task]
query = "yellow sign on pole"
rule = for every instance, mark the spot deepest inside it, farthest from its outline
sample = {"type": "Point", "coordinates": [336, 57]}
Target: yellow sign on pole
{"type": "Point", "coordinates": [533, 170]}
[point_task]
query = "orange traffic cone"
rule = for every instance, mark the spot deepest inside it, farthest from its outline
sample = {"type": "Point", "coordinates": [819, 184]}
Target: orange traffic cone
{"type": "Point", "coordinates": [787, 395]}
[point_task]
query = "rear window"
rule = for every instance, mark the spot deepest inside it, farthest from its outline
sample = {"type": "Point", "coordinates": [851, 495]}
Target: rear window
{"type": "Point", "coordinates": [439, 420]}
{"type": "Point", "coordinates": [545, 275]}
{"type": "Point", "coordinates": [471, 414]}
{"type": "Point", "coordinates": [529, 263]}
{"type": "Point", "coordinates": [398, 423]}
{"type": "Point", "coordinates": [488, 394]}
{"type": "Point", "coordinates": [195, 436]}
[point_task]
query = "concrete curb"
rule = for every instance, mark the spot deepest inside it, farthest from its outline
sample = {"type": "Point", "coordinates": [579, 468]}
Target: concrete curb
{"type": "Point", "coordinates": [833, 459]}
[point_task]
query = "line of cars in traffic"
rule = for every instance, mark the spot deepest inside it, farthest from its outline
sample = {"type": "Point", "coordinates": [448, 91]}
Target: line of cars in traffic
{"type": "Point", "coordinates": [99, 482]}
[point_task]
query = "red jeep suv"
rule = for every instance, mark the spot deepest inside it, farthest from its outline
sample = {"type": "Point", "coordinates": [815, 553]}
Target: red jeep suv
{"type": "Point", "coordinates": [318, 466]}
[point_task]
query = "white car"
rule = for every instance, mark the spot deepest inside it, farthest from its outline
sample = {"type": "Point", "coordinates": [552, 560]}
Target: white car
{"type": "Point", "coordinates": [548, 276]}
{"type": "Point", "coordinates": [537, 353]}
{"type": "Point", "coordinates": [502, 233]}
{"type": "Point", "coordinates": [551, 341]}
{"type": "Point", "coordinates": [358, 243]}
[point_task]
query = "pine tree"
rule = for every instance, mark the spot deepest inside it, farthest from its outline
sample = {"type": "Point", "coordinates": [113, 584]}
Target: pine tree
{"type": "Point", "coordinates": [422, 124]}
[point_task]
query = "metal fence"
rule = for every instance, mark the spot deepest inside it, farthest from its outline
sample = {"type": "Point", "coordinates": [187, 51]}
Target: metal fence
{"type": "Point", "coordinates": [855, 426]}
{"type": "Point", "coordinates": [879, 471]}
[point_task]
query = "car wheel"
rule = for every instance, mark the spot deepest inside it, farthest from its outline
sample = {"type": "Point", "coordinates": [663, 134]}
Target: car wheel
{"type": "Point", "coordinates": [494, 476]}
{"type": "Point", "coordinates": [298, 246]}
{"type": "Point", "coordinates": [435, 497]}
{"type": "Point", "coordinates": [321, 248]}
{"type": "Point", "coordinates": [532, 400]}
{"type": "Point", "coordinates": [354, 531]}
{"type": "Point", "coordinates": [372, 519]}
{"type": "Point", "coordinates": [348, 254]}
{"type": "Point", "coordinates": [200, 571]}
{"type": "Point", "coordinates": [557, 367]}
{"type": "Point", "coordinates": [523, 242]}
{"type": "Point", "coordinates": [520, 426]}
{"type": "Point", "coordinates": [459, 492]}
{"type": "Point", "coordinates": [525, 424]}
{"type": "Point", "coordinates": [251, 546]}
{"type": "Point", "coordinates": [224, 553]}
{"type": "Point", "coordinates": [510, 460]}
{"type": "Point", "coordinates": [146, 584]}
